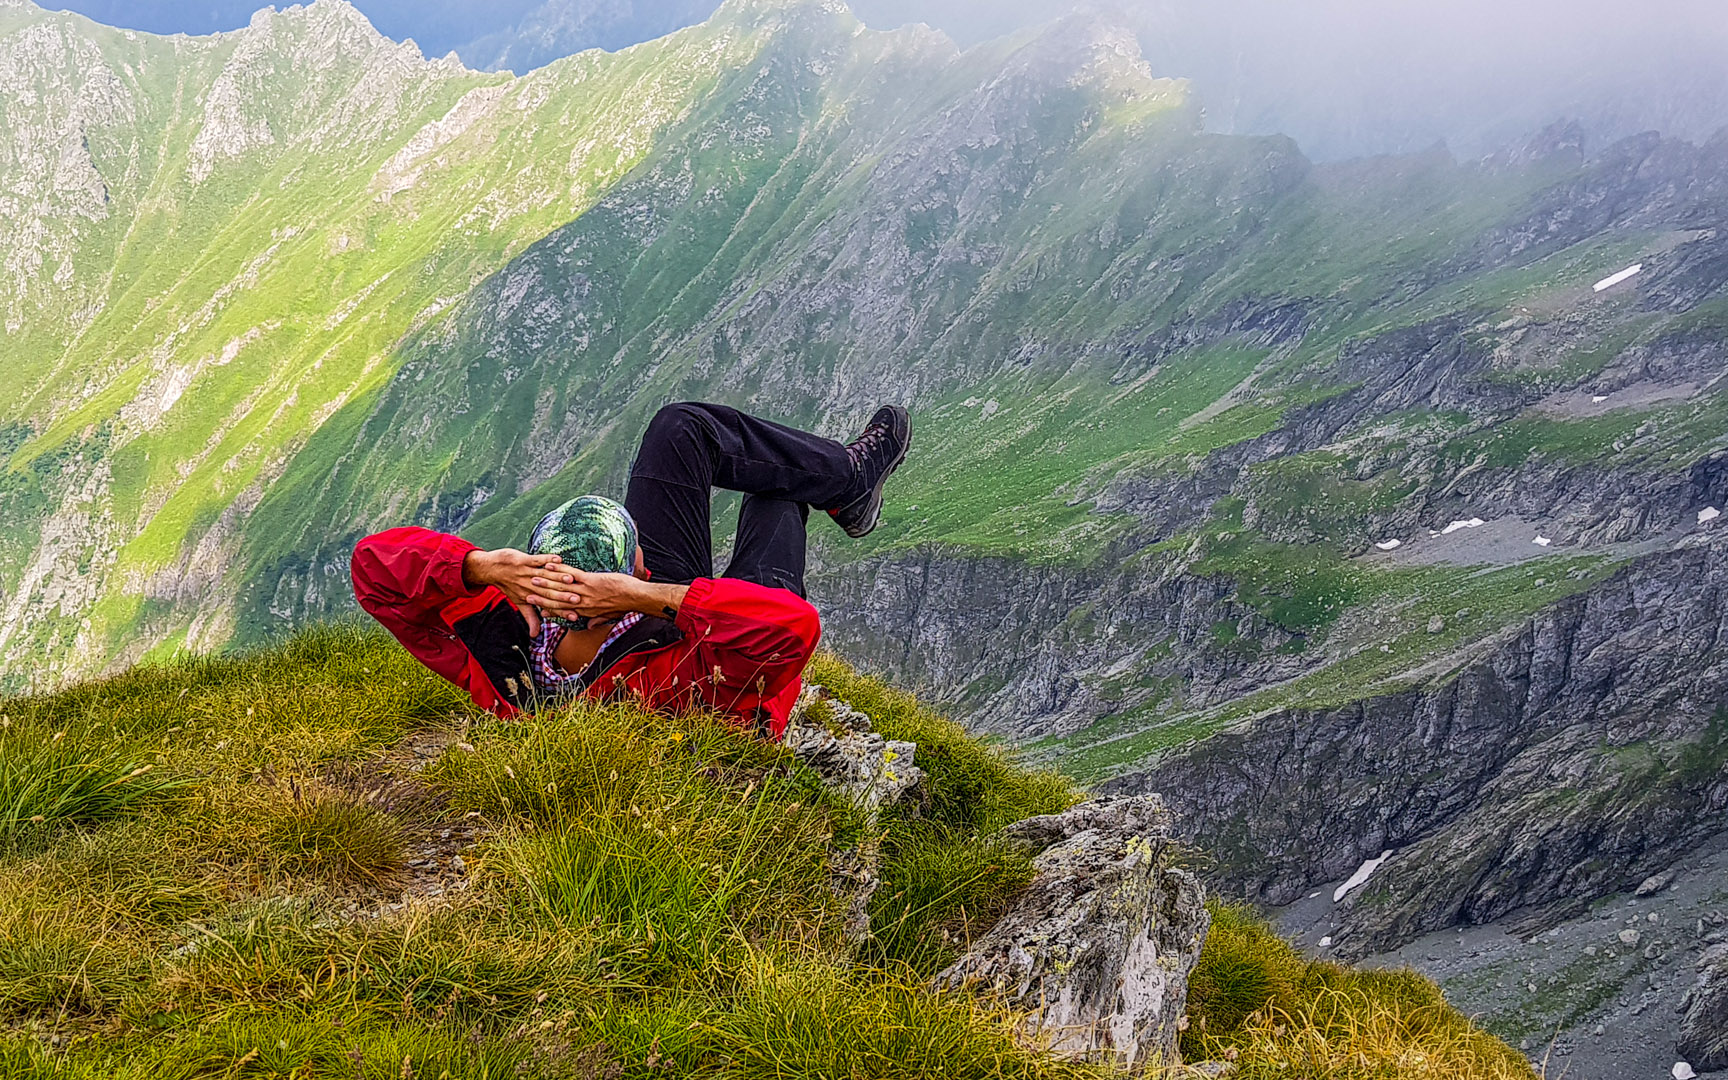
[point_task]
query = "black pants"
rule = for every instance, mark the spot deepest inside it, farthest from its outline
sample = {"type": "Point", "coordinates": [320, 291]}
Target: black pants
{"type": "Point", "coordinates": [690, 449]}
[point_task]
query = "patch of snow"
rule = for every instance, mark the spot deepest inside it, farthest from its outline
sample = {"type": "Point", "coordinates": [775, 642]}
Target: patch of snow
{"type": "Point", "coordinates": [1326, 942]}
{"type": "Point", "coordinates": [1682, 1071]}
{"type": "Point", "coordinates": [1362, 874]}
{"type": "Point", "coordinates": [1313, 894]}
{"type": "Point", "coordinates": [1597, 399]}
{"type": "Point", "coordinates": [1388, 545]}
{"type": "Point", "coordinates": [1472, 523]}
{"type": "Point", "coordinates": [1542, 541]}
{"type": "Point", "coordinates": [1614, 279]}
{"type": "Point", "coordinates": [1709, 513]}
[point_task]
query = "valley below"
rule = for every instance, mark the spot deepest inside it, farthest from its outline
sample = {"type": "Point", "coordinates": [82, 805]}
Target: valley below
{"type": "Point", "coordinates": [1354, 507]}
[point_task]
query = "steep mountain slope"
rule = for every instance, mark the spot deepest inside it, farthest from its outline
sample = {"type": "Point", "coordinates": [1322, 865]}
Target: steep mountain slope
{"type": "Point", "coordinates": [220, 242]}
{"type": "Point", "coordinates": [1176, 394]}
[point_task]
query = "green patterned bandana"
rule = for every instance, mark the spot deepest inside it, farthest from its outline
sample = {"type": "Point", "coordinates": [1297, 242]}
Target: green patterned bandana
{"type": "Point", "coordinates": [590, 533]}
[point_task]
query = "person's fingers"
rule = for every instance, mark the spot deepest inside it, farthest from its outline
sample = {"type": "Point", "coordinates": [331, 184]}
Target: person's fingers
{"type": "Point", "coordinates": [532, 616]}
{"type": "Point", "coordinates": [553, 602]}
{"type": "Point", "coordinates": [553, 589]}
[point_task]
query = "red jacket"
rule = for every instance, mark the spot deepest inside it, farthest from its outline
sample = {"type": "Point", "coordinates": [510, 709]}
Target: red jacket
{"type": "Point", "coordinates": [736, 647]}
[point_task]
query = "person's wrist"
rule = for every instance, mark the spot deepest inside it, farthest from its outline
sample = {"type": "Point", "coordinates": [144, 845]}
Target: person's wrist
{"type": "Point", "coordinates": [641, 596]}
{"type": "Point", "coordinates": [476, 565]}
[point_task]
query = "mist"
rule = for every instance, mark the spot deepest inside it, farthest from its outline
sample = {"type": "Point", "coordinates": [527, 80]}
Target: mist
{"type": "Point", "coordinates": [1342, 77]}
{"type": "Point", "coordinates": [1354, 77]}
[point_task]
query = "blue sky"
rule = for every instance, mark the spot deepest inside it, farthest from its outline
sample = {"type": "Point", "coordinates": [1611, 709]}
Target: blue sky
{"type": "Point", "coordinates": [438, 25]}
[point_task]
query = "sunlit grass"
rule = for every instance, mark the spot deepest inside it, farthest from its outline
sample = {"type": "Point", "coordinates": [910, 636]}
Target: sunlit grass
{"type": "Point", "coordinates": [650, 895]}
{"type": "Point", "coordinates": [1255, 1001]}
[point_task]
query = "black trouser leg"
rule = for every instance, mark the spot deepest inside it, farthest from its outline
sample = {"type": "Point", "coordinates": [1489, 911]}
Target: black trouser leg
{"type": "Point", "coordinates": [691, 448]}
{"type": "Point", "coordinates": [769, 549]}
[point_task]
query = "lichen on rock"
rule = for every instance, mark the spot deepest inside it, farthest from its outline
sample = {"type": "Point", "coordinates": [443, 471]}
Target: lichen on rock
{"type": "Point", "coordinates": [1100, 945]}
{"type": "Point", "coordinates": [868, 770]}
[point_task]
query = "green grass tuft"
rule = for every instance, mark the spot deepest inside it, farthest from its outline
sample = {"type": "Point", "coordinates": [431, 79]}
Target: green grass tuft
{"type": "Point", "coordinates": [320, 831]}
{"type": "Point", "coordinates": [649, 896]}
{"type": "Point", "coordinates": [49, 778]}
{"type": "Point", "coordinates": [1255, 1001]}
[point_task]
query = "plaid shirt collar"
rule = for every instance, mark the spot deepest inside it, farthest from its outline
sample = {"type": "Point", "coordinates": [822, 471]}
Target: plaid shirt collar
{"type": "Point", "coordinates": [547, 674]}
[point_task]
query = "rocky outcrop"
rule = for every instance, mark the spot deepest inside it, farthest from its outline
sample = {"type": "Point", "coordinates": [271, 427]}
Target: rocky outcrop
{"type": "Point", "coordinates": [1704, 1019]}
{"type": "Point", "coordinates": [1580, 754]}
{"type": "Point", "coordinates": [1099, 947]}
{"type": "Point", "coordinates": [868, 770]}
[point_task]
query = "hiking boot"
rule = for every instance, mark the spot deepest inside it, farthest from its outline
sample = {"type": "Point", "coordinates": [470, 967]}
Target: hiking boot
{"type": "Point", "coordinates": [876, 453]}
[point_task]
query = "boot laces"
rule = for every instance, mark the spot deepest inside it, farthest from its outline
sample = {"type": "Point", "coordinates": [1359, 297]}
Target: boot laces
{"type": "Point", "coordinates": [870, 441]}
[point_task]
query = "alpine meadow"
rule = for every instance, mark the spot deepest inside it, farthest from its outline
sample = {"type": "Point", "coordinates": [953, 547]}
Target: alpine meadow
{"type": "Point", "coordinates": [1363, 516]}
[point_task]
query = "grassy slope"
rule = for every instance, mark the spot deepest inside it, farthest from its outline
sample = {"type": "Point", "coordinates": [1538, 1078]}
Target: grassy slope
{"type": "Point", "coordinates": [647, 897]}
{"type": "Point", "coordinates": [279, 285]}
{"type": "Point", "coordinates": [675, 189]}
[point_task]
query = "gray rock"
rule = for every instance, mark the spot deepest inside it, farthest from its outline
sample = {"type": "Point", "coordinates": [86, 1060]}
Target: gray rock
{"type": "Point", "coordinates": [870, 771]}
{"type": "Point", "coordinates": [1704, 1020]}
{"type": "Point", "coordinates": [1101, 944]}
{"type": "Point", "coordinates": [1654, 884]}
{"type": "Point", "coordinates": [866, 767]}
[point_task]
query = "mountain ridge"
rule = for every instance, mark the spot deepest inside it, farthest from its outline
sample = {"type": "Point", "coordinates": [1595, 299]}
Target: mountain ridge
{"type": "Point", "coordinates": [1174, 389]}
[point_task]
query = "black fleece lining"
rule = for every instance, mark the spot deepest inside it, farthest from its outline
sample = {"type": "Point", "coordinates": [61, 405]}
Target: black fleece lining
{"type": "Point", "coordinates": [498, 638]}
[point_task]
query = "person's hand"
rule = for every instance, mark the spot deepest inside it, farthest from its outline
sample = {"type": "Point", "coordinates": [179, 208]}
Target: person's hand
{"type": "Point", "coordinates": [574, 592]}
{"type": "Point", "coordinates": [518, 574]}
{"type": "Point", "coordinates": [578, 593]}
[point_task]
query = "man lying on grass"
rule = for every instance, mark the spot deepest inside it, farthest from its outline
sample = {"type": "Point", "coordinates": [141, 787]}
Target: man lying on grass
{"type": "Point", "coordinates": [614, 600]}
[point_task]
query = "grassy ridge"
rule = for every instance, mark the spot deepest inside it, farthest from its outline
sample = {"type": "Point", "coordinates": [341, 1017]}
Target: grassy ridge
{"type": "Point", "coordinates": [650, 894]}
{"type": "Point", "coordinates": [647, 896]}
{"type": "Point", "coordinates": [1258, 1003]}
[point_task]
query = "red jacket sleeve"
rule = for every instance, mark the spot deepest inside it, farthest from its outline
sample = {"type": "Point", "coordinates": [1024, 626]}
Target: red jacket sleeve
{"type": "Point", "coordinates": [752, 643]}
{"type": "Point", "coordinates": [410, 580]}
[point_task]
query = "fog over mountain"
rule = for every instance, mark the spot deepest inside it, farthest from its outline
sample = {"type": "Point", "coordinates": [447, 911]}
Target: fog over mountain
{"type": "Point", "coordinates": [1347, 77]}
{"type": "Point", "coordinates": [1355, 506]}
{"type": "Point", "coordinates": [1342, 77]}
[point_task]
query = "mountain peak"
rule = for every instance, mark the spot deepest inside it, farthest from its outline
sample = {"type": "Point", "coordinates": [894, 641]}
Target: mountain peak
{"type": "Point", "coordinates": [338, 15]}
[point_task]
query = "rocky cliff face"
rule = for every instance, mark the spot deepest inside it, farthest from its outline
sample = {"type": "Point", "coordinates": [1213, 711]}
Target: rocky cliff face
{"type": "Point", "coordinates": [1579, 753]}
{"type": "Point", "coordinates": [1208, 435]}
{"type": "Point", "coordinates": [1704, 1028]}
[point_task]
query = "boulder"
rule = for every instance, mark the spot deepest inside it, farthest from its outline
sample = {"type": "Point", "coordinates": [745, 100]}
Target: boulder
{"type": "Point", "coordinates": [1704, 1019]}
{"type": "Point", "coordinates": [1099, 947]}
{"type": "Point", "coordinates": [1654, 884]}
